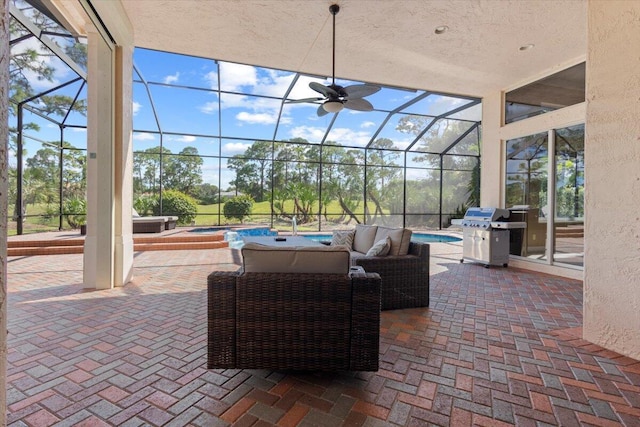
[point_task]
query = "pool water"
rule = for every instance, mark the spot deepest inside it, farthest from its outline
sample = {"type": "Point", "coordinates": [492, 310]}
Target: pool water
{"type": "Point", "coordinates": [256, 231]}
{"type": "Point", "coordinates": [415, 237]}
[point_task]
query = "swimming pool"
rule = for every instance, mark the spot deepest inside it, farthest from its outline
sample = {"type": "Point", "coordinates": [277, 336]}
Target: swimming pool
{"type": "Point", "coordinates": [254, 231]}
{"type": "Point", "coordinates": [415, 237]}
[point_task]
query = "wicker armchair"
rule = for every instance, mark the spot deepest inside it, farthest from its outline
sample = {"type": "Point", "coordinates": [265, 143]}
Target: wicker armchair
{"type": "Point", "coordinates": [294, 321]}
{"type": "Point", "coordinates": [405, 278]}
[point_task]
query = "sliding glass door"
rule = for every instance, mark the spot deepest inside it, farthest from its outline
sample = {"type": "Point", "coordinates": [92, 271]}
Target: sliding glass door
{"type": "Point", "coordinates": [548, 197]}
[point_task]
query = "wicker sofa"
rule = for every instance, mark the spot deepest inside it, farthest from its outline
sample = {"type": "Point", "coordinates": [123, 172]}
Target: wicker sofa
{"type": "Point", "coordinates": [404, 270]}
{"type": "Point", "coordinates": [293, 309]}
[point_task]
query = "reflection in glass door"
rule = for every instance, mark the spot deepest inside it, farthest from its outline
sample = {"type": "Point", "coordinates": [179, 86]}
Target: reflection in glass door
{"type": "Point", "coordinates": [569, 196]}
{"type": "Point", "coordinates": [526, 192]}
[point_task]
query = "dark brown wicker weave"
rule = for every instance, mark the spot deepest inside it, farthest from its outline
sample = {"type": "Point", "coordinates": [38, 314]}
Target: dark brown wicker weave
{"type": "Point", "coordinates": [405, 279]}
{"type": "Point", "coordinates": [290, 321]}
{"type": "Point", "coordinates": [148, 226]}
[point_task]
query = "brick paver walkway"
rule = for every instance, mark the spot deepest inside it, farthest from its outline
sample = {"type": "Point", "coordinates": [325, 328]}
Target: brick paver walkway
{"type": "Point", "coordinates": [497, 347]}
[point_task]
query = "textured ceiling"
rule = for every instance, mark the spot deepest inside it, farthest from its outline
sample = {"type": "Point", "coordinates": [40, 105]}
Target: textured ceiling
{"type": "Point", "coordinates": [389, 42]}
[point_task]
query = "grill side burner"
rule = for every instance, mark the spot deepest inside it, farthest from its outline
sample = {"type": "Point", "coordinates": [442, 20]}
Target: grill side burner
{"type": "Point", "coordinates": [485, 238]}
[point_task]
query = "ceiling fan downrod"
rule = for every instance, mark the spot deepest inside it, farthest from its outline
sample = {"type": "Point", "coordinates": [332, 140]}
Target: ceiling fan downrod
{"type": "Point", "coordinates": [334, 9]}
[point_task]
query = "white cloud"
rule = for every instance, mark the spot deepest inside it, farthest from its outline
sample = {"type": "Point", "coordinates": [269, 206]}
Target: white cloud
{"type": "Point", "coordinates": [212, 78]}
{"type": "Point", "coordinates": [346, 136]}
{"type": "Point", "coordinates": [209, 107]}
{"type": "Point", "coordinates": [186, 138]}
{"type": "Point", "coordinates": [365, 125]}
{"type": "Point", "coordinates": [233, 77]}
{"type": "Point", "coordinates": [172, 78]}
{"type": "Point", "coordinates": [257, 118]}
{"type": "Point", "coordinates": [144, 136]}
{"type": "Point", "coordinates": [135, 107]}
{"type": "Point", "coordinates": [235, 147]}
{"type": "Point", "coordinates": [309, 133]}
{"type": "Point", "coordinates": [79, 130]}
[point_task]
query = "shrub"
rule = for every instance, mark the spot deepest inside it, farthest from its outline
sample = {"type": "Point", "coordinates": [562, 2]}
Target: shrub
{"type": "Point", "coordinates": [238, 207]}
{"type": "Point", "coordinates": [177, 204]}
{"type": "Point", "coordinates": [75, 210]}
{"type": "Point", "coordinates": [146, 204]}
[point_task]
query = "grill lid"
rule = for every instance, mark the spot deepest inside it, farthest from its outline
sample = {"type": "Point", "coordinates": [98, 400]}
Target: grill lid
{"type": "Point", "coordinates": [483, 217]}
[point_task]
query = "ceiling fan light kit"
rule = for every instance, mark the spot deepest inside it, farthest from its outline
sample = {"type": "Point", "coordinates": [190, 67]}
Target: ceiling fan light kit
{"type": "Point", "coordinates": [336, 97]}
{"type": "Point", "coordinates": [333, 106]}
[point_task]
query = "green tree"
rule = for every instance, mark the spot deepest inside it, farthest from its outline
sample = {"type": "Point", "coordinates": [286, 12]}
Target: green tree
{"type": "Point", "coordinates": [183, 172]}
{"type": "Point", "coordinates": [208, 194]}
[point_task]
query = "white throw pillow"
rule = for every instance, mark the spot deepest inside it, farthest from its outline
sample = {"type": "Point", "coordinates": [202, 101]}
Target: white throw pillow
{"type": "Point", "coordinates": [344, 238]}
{"type": "Point", "coordinates": [380, 248]}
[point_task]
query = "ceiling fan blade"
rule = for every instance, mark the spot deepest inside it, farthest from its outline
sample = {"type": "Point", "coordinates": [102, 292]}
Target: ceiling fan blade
{"type": "Point", "coordinates": [322, 111]}
{"type": "Point", "coordinates": [360, 91]}
{"type": "Point", "coordinates": [297, 101]}
{"type": "Point", "coordinates": [358, 104]}
{"type": "Point", "coordinates": [324, 90]}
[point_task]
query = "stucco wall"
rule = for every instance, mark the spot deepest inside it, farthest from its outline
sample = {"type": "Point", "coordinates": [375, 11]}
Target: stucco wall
{"type": "Point", "coordinates": [612, 173]}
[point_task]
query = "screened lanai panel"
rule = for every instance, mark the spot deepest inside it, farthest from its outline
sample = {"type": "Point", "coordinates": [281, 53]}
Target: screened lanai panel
{"type": "Point", "coordinates": [455, 189]}
{"type": "Point", "coordinates": [146, 141]}
{"type": "Point", "coordinates": [74, 170]}
{"type": "Point", "coordinates": [401, 129]}
{"type": "Point", "coordinates": [343, 186]}
{"type": "Point", "coordinates": [144, 118]}
{"type": "Point", "coordinates": [423, 160]}
{"type": "Point", "coordinates": [377, 157]}
{"type": "Point", "coordinates": [465, 163]}
{"type": "Point", "coordinates": [57, 71]}
{"type": "Point", "coordinates": [385, 190]}
{"type": "Point", "coordinates": [355, 128]}
{"type": "Point", "coordinates": [473, 113]}
{"type": "Point", "coordinates": [59, 104]}
{"type": "Point", "coordinates": [441, 135]}
{"type": "Point", "coordinates": [17, 30]}
{"type": "Point", "coordinates": [40, 129]}
{"type": "Point", "coordinates": [186, 110]}
{"type": "Point", "coordinates": [204, 146]}
{"type": "Point", "coordinates": [302, 121]}
{"type": "Point", "coordinates": [250, 117]}
{"type": "Point", "coordinates": [296, 151]}
{"type": "Point", "coordinates": [389, 99]}
{"type": "Point", "coordinates": [78, 114]}
{"type": "Point", "coordinates": [76, 137]}
{"type": "Point", "coordinates": [236, 147]}
{"type": "Point", "coordinates": [173, 69]}
{"type": "Point", "coordinates": [468, 145]}
{"type": "Point", "coordinates": [423, 190]}
{"type": "Point", "coordinates": [435, 105]}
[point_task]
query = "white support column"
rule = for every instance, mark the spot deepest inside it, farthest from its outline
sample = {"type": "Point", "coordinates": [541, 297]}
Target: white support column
{"type": "Point", "coordinates": [123, 262]}
{"type": "Point", "coordinates": [99, 243]}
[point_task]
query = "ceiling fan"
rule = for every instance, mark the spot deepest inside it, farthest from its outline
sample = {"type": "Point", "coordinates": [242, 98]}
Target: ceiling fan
{"type": "Point", "coordinates": [336, 97]}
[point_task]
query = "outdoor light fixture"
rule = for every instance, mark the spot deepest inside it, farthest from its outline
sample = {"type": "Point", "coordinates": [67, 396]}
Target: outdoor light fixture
{"type": "Point", "coordinates": [333, 106]}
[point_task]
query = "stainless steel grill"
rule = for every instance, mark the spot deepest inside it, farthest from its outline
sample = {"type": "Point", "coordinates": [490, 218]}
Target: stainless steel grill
{"type": "Point", "coordinates": [485, 235]}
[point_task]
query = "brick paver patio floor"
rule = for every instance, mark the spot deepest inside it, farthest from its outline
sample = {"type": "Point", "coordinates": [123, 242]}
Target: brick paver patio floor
{"type": "Point", "coordinates": [496, 347]}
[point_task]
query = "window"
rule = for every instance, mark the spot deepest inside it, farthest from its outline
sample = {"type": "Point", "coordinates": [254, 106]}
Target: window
{"type": "Point", "coordinates": [551, 93]}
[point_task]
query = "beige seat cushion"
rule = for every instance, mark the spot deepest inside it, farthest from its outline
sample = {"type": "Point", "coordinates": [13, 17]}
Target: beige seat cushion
{"type": "Point", "coordinates": [400, 238]}
{"type": "Point", "coordinates": [258, 258]}
{"type": "Point", "coordinates": [364, 238]}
